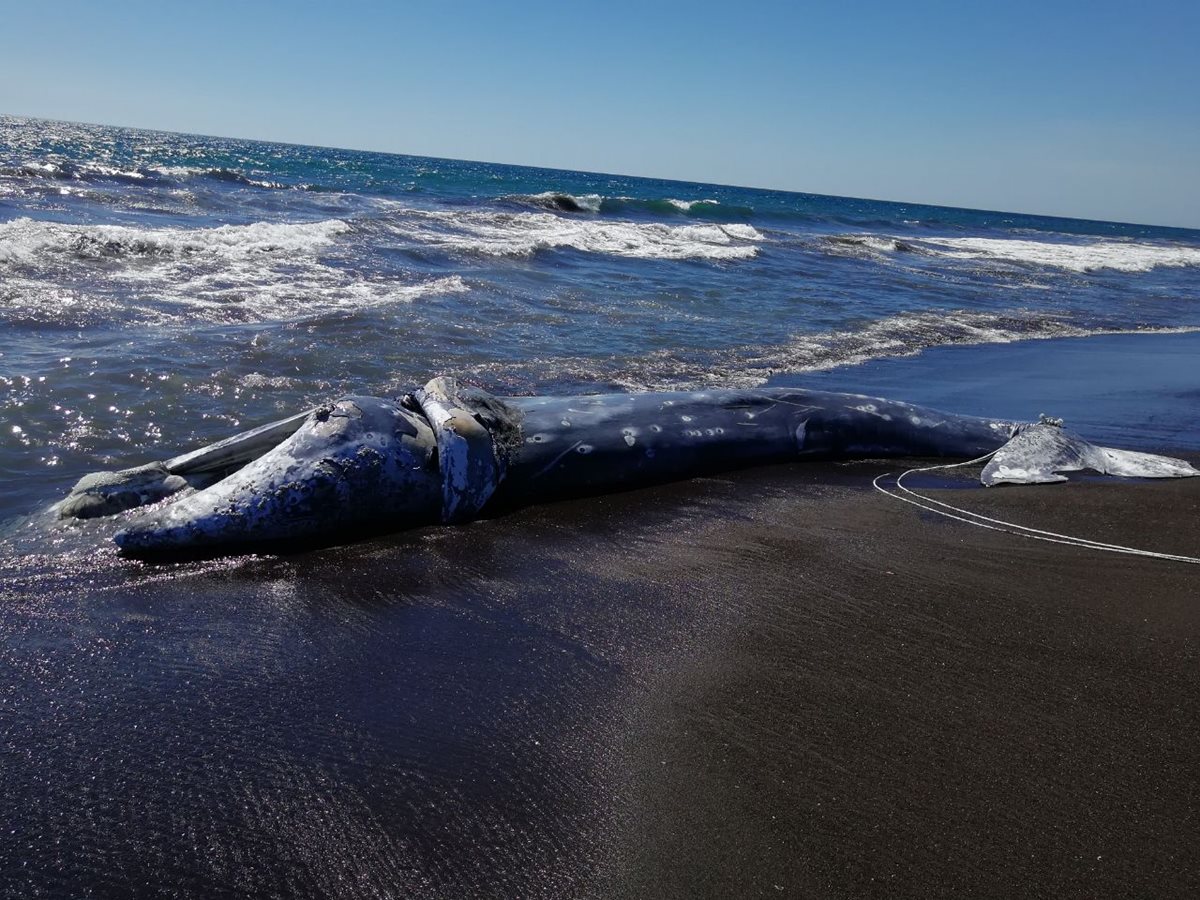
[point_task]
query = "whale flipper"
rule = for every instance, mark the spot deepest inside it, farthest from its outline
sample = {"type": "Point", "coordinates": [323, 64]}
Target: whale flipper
{"type": "Point", "coordinates": [233, 452]}
{"type": "Point", "coordinates": [108, 493]}
{"type": "Point", "coordinates": [467, 456]}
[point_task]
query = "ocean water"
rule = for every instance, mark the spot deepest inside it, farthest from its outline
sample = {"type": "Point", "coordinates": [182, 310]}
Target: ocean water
{"type": "Point", "coordinates": [157, 290]}
{"type": "Point", "coordinates": [445, 712]}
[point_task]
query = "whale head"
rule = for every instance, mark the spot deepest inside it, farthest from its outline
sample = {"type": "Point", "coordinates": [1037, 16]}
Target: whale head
{"type": "Point", "coordinates": [354, 465]}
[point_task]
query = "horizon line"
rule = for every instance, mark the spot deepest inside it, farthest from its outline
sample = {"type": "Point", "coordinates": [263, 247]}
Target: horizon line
{"type": "Point", "coordinates": [463, 159]}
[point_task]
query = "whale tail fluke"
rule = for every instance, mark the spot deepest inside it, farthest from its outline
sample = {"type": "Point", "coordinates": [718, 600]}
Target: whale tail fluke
{"type": "Point", "coordinates": [1040, 453]}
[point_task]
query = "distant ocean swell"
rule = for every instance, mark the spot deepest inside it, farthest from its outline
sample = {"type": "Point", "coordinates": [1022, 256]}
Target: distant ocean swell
{"type": "Point", "coordinates": [53, 169]}
{"type": "Point", "coordinates": [58, 170]}
{"type": "Point", "coordinates": [162, 176]}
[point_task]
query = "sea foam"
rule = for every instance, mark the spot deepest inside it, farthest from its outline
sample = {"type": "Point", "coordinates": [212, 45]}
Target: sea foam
{"type": "Point", "coordinates": [1118, 256]}
{"type": "Point", "coordinates": [262, 271]}
{"type": "Point", "coordinates": [26, 241]}
{"type": "Point", "coordinates": [905, 334]}
{"type": "Point", "coordinates": [523, 234]}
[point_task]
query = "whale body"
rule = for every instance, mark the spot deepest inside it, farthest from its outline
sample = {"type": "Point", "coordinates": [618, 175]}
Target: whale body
{"type": "Point", "coordinates": [447, 454]}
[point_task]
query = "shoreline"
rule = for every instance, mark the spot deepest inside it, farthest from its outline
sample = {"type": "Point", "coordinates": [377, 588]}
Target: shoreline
{"type": "Point", "coordinates": [1151, 407]}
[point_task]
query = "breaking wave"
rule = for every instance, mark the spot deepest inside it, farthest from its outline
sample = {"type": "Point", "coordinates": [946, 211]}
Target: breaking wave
{"type": "Point", "coordinates": [29, 241]}
{"type": "Point", "coordinates": [523, 234]}
{"type": "Point", "coordinates": [869, 245]}
{"type": "Point", "coordinates": [1118, 256]}
{"type": "Point", "coordinates": [559, 201]}
{"type": "Point", "coordinates": [229, 176]}
{"type": "Point", "coordinates": [64, 170]}
{"type": "Point", "coordinates": [231, 273]}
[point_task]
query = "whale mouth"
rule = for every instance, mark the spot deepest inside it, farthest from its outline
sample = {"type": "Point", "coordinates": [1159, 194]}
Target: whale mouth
{"type": "Point", "coordinates": [108, 493]}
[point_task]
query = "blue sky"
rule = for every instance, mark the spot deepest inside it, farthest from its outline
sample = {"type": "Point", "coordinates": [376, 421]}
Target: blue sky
{"type": "Point", "coordinates": [1084, 109]}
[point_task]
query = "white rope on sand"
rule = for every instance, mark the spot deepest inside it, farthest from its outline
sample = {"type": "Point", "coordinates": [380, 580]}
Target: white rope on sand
{"type": "Point", "coordinates": [980, 520]}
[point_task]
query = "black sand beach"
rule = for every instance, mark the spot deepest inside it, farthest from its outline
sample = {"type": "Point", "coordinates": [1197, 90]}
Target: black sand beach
{"type": "Point", "coordinates": [776, 682]}
{"type": "Point", "coordinates": [907, 706]}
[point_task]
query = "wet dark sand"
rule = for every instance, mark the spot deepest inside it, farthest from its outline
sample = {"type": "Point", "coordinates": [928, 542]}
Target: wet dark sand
{"type": "Point", "coordinates": [902, 705]}
{"type": "Point", "coordinates": [777, 682]}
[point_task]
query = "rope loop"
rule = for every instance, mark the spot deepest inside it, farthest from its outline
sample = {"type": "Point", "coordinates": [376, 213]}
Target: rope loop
{"type": "Point", "coordinates": [971, 518]}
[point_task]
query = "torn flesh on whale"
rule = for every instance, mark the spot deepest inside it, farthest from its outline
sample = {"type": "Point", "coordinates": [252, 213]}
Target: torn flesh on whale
{"type": "Point", "coordinates": [446, 454]}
